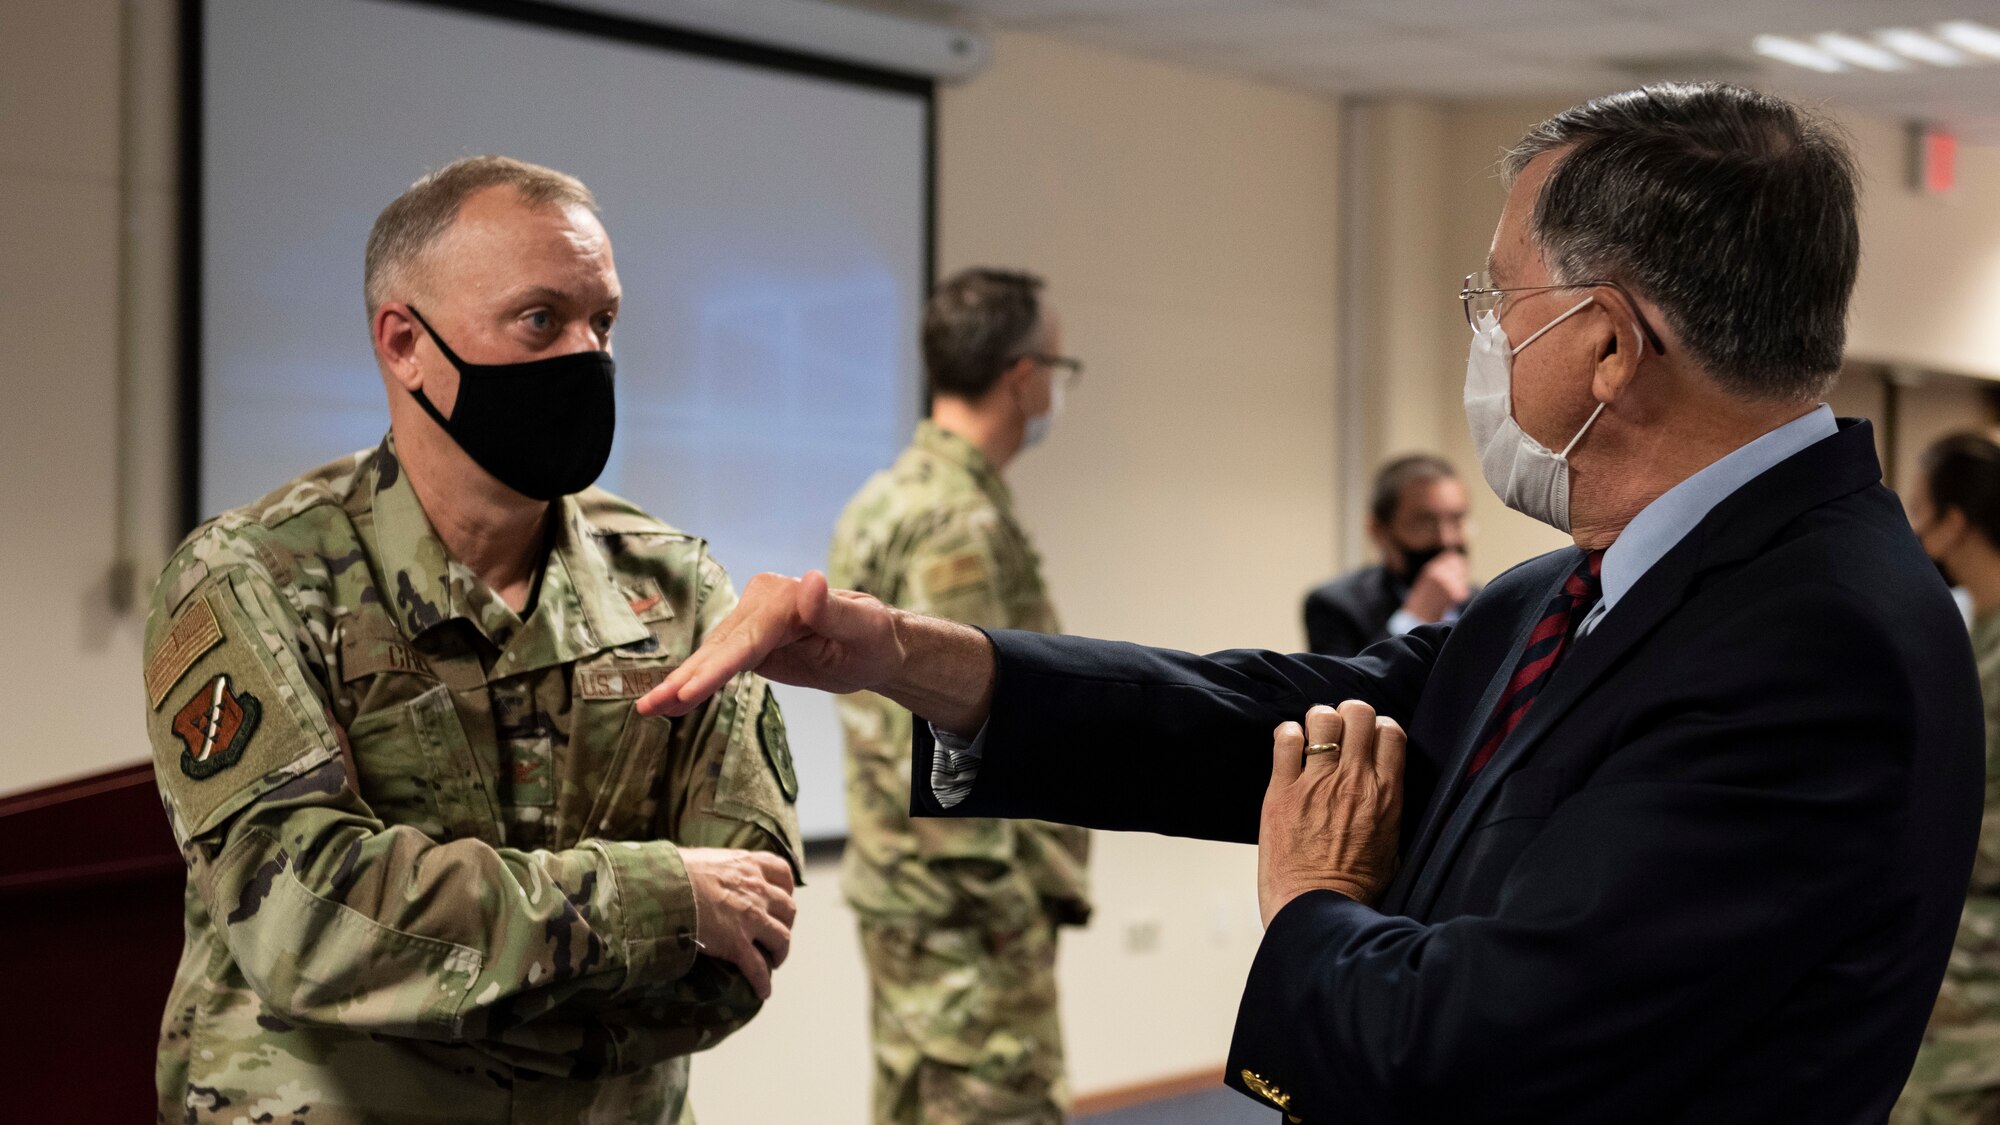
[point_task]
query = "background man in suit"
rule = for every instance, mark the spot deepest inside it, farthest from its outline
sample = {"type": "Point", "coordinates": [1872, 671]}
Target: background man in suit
{"type": "Point", "coordinates": [1692, 802]}
{"type": "Point", "coordinates": [1416, 516]}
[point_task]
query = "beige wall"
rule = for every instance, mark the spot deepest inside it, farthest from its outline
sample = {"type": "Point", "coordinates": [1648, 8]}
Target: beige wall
{"type": "Point", "coordinates": [1441, 205]}
{"type": "Point", "coordinates": [1184, 223]}
{"type": "Point", "coordinates": [1929, 291]}
{"type": "Point", "coordinates": [73, 507]}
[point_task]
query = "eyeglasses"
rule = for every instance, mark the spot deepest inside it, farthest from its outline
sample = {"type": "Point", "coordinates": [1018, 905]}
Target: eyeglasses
{"type": "Point", "coordinates": [1070, 366]}
{"type": "Point", "coordinates": [1480, 296]}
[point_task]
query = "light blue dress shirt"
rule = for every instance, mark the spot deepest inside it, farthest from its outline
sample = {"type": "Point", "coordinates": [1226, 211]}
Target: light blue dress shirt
{"type": "Point", "coordinates": [1644, 542]}
{"type": "Point", "coordinates": [1668, 519]}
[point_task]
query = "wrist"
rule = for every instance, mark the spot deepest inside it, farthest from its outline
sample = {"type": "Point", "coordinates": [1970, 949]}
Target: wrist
{"type": "Point", "coordinates": [942, 671]}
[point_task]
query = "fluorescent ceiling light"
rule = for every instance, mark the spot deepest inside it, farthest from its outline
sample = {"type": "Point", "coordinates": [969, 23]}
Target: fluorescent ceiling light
{"type": "Point", "coordinates": [1974, 37]}
{"type": "Point", "coordinates": [1860, 52]}
{"type": "Point", "coordinates": [1916, 45]}
{"type": "Point", "coordinates": [1798, 54]}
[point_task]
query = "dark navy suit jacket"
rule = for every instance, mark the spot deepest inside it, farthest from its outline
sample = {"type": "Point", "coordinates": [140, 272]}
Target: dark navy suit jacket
{"type": "Point", "coordinates": [1713, 877]}
{"type": "Point", "coordinates": [1352, 612]}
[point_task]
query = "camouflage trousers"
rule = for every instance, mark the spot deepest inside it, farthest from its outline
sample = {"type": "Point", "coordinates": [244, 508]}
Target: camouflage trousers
{"type": "Point", "coordinates": [1956, 1079]}
{"type": "Point", "coordinates": [965, 1026]}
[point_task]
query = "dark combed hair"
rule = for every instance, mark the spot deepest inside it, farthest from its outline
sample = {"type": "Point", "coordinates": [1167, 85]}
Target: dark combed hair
{"type": "Point", "coordinates": [1732, 210]}
{"type": "Point", "coordinates": [976, 325]}
{"type": "Point", "coordinates": [1963, 471]}
{"type": "Point", "coordinates": [1394, 477]}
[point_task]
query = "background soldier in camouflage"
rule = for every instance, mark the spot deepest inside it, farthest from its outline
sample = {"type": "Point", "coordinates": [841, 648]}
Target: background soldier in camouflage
{"type": "Point", "coordinates": [959, 917]}
{"type": "Point", "coordinates": [439, 869]}
{"type": "Point", "coordinates": [1955, 508]}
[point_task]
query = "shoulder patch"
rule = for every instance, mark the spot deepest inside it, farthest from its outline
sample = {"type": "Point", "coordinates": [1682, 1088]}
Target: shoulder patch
{"type": "Point", "coordinates": [193, 634]}
{"type": "Point", "coordinates": [771, 732]}
{"type": "Point", "coordinates": [214, 726]}
{"type": "Point", "coordinates": [955, 573]}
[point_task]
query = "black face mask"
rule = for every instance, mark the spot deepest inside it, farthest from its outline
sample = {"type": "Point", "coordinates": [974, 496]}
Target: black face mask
{"type": "Point", "coordinates": [1414, 562]}
{"type": "Point", "coordinates": [542, 428]}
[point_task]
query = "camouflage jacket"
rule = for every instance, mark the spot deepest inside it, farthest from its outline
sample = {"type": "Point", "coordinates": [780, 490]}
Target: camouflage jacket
{"type": "Point", "coordinates": [935, 533]}
{"type": "Point", "coordinates": [431, 847]}
{"type": "Point", "coordinates": [1970, 996]}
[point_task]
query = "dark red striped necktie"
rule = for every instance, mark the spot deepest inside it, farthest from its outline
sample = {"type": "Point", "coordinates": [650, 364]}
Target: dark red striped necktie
{"type": "Point", "coordinates": [1546, 645]}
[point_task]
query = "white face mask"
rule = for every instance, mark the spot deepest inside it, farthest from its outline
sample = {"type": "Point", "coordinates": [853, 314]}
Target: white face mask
{"type": "Point", "coordinates": [1038, 427]}
{"type": "Point", "coordinates": [1529, 477]}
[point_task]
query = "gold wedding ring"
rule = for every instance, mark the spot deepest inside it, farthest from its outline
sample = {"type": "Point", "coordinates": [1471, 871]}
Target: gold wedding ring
{"type": "Point", "coordinates": [1322, 748]}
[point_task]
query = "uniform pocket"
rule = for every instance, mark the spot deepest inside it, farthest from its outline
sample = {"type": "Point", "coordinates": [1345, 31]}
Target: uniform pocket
{"type": "Point", "coordinates": [416, 767]}
{"type": "Point", "coordinates": [393, 771]}
{"type": "Point", "coordinates": [624, 795]}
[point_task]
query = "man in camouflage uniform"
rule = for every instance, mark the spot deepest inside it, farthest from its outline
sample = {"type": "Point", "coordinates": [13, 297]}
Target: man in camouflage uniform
{"type": "Point", "coordinates": [1955, 510]}
{"type": "Point", "coordinates": [958, 917]}
{"type": "Point", "coordinates": [439, 869]}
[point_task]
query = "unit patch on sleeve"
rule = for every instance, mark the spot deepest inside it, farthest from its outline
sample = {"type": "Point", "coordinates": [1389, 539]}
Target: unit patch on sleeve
{"type": "Point", "coordinates": [215, 726]}
{"type": "Point", "coordinates": [195, 633]}
{"type": "Point", "coordinates": [771, 732]}
{"type": "Point", "coordinates": [955, 573]}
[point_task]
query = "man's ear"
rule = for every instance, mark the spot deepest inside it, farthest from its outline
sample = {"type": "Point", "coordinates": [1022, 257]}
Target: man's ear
{"type": "Point", "coordinates": [1019, 374]}
{"type": "Point", "coordinates": [1621, 350]}
{"type": "Point", "coordinates": [396, 334]}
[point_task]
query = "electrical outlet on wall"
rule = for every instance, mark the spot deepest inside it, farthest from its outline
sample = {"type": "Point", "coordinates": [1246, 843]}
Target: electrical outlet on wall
{"type": "Point", "coordinates": [1142, 935]}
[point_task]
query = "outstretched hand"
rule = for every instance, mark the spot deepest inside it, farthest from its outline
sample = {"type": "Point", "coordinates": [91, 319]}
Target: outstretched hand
{"type": "Point", "coordinates": [794, 631]}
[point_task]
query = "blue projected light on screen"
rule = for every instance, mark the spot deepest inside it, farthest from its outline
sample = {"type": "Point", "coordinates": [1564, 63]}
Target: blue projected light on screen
{"type": "Point", "coordinates": [768, 230]}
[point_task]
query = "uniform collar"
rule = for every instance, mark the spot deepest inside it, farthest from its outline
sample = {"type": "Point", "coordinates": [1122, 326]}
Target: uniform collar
{"type": "Point", "coordinates": [942, 443]}
{"type": "Point", "coordinates": [579, 612]}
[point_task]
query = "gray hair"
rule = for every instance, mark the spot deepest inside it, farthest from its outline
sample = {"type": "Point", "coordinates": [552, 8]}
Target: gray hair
{"type": "Point", "coordinates": [407, 227]}
{"type": "Point", "coordinates": [1731, 210]}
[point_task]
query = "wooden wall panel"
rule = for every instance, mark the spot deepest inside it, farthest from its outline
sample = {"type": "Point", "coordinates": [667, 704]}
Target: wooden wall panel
{"type": "Point", "coordinates": [90, 929]}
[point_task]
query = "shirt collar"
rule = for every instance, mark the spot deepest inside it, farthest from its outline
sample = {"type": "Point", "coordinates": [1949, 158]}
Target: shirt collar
{"type": "Point", "coordinates": [579, 611]}
{"type": "Point", "coordinates": [1668, 519]}
{"type": "Point", "coordinates": [942, 443]}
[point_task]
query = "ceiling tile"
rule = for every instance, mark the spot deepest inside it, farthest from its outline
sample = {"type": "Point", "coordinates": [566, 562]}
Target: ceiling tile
{"type": "Point", "coordinates": [1511, 48]}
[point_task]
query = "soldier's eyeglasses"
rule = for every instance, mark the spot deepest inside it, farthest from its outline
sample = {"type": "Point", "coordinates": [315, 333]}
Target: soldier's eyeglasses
{"type": "Point", "coordinates": [1070, 366]}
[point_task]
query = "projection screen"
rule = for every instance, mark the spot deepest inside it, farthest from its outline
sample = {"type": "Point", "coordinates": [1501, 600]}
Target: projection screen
{"type": "Point", "coordinates": [770, 224]}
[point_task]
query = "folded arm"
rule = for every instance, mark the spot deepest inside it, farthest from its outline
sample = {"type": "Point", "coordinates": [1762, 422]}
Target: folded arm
{"type": "Point", "coordinates": [335, 917]}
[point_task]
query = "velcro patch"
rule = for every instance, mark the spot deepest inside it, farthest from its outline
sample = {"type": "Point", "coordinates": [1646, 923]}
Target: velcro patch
{"type": "Point", "coordinates": [214, 726]}
{"type": "Point", "coordinates": [771, 732]}
{"type": "Point", "coordinates": [619, 682]}
{"type": "Point", "coordinates": [646, 600]}
{"type": "Point", "coordinates": [194, 633]}
{"type": "Point", "coordinates": [371, 651]}
{"type": "Point", "coordinates": [955, 573]}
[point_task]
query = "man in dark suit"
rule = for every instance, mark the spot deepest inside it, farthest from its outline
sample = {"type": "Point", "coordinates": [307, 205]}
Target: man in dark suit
{"type": "Point", "coordinates": [1686, 811]}
{"type": "Point", "coordinates": [1416, 519]}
